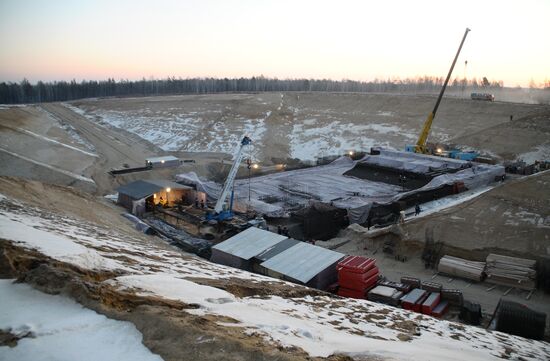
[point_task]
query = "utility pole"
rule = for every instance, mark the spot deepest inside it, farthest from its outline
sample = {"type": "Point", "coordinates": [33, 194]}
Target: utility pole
{"type": "Point", "coordinates": [249, 166]}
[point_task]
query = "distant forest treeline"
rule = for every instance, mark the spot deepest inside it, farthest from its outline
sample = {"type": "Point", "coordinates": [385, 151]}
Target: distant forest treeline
{"type": "Point", "coordinates": [25, 92]}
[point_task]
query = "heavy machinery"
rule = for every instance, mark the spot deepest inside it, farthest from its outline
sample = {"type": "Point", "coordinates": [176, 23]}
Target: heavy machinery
{"type": "Point", "coordinates": [421, 145]}
{"type": "Point", "coordinates": [221, 210]}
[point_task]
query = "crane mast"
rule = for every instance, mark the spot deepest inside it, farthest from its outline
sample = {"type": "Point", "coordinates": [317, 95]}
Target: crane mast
{"type": "Point", "coordinates": [420, 146]}
{"type": "Point", "coordinates": [219, 212]}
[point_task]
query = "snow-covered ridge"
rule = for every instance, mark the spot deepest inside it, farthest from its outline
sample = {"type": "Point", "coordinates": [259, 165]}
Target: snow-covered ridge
{"type": "Point", "coordinates": [320, 325]}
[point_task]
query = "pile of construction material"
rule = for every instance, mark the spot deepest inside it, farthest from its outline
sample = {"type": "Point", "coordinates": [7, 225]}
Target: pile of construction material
{"type": "Point", "coordinates": [463, 268]}
{"type": "Point", "coordinates": [511, 271]}
{"type": "Point", "coordinates": [426, 302]}
{"type": "Point", "coordinates": [517, 319]}
{"type": "Point", "coordinates": [386, 295]}
{"type": "Point", "coordinates": [356, 276]}
{"type": "Point", "coordinates": [413, 300]}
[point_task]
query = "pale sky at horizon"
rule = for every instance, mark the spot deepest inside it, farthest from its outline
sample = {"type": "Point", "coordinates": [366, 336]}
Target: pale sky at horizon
{"type": "Point", "coordinates": [345, 39]}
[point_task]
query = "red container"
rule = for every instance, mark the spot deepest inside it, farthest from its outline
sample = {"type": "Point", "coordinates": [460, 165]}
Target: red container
{"type": "Point", "coordinates": [347, 278]}
{"type": "Point", "coordinates": [440, 309]}
{"type": "Point", "coordinates": [346, 292]}
{"type": "Point", "coordinates": [359, 284]}
{"type": "Point", "coordinates": [413, 300]}
{"type": "Point", "coordinates": [356, 264]}
{"type": "Point", "coordinates": [430, 303]}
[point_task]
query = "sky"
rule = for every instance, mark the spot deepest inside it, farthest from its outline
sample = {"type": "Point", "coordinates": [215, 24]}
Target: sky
{"type": "Point", "coordinates": [339, 39]}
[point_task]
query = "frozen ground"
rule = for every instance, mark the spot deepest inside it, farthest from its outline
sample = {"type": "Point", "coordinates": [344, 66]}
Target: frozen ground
{"type": "Point", "coordinates": [320, 325]}
{"type": "Point", "coordinates": [296, 125]}
{"type": "Point", "coordinates": [57, 328]}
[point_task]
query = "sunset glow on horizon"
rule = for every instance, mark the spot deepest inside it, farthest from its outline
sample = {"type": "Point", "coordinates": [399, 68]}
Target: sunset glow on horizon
{"type": "Point", "coordinates": [359, 40]}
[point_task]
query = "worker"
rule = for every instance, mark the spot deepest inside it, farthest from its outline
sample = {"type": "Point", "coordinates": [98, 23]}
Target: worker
{"type": "Point", "coordinates": [161, 201]}
{"type": "Point", "coordinates": [511, 117]}
{"type": "Point", "coordinates": [202, 203]}
{"type": "Point", "coordinates": [196, 203]}
{"type": "Point", "coordinates": [285, 232]}
{"type": "Point", "coordinates": [417, 209]}
{"type": "Point", "coordinates": [279, 230]}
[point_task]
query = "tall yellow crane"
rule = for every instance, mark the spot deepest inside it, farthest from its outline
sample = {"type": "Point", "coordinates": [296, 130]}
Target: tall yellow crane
{"type": "Point", "coordinates": [420, 146]}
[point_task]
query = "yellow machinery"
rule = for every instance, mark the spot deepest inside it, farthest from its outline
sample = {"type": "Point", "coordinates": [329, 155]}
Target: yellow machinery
{"type": "Point", "coordinates": [420, 146]}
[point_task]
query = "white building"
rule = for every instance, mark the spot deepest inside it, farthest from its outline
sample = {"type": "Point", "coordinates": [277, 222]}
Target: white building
{"type": "Point", "coordinates": [162, 162]}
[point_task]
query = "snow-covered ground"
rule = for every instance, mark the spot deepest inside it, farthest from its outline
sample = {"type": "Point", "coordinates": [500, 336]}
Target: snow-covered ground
{"type": "Point", "coordinates": [446, 202]}
{"type": "Point", "coordinates": [183, 131]}
{"type": "Point", "coordinates": [327, 133]}
{"type": "Point", "coordinates": [541, 153]}
{"type": "Point", "coordinates": [57, 328]}
{"type": "Point", "coordinates": [321, 325]}
{"type": "Point", "coordinates": [312, 139]}
{"type": "Point", "coordinates": [73, 133]}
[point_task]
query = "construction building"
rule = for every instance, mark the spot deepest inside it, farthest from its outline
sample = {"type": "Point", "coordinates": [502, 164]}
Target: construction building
{"type": "Point", "coordinates": [163, 162]}
{"type": "Point", "coordinates": [369, 191]}
{"type": "Point", "coordinates": [280, 257]}
{"type": "Point", "coordinates": [140, 195]}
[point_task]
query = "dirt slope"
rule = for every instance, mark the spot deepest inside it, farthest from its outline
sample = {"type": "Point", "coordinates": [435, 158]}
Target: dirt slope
{"type": "Point", "coordinates": [519, 136]}
{"type": "Point", "coordinates": [513, 218]}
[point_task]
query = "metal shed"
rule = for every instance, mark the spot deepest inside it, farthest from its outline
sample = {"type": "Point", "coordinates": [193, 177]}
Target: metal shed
{"type": "Point", "coordinates": [271, 252]}
{"type": "Point", "coordinates": [238, 250]}
{"type": "Point", "coordinates": [162, 162]}
{"type": "Point", "coordinates": [139, 191]}
{"type": "Point", "coordinates": [306, 264]}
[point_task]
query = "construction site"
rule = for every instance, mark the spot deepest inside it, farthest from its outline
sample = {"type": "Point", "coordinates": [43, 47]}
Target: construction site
{"type": "Point", "coordinates": [358, 222]}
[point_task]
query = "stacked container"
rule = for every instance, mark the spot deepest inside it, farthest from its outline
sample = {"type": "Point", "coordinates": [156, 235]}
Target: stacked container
{"type": "Point", "coordinates": [356, 276]}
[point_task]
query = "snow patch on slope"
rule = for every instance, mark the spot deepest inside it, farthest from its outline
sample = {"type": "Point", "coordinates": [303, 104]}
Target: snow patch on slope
{"type": "Point", "coordinates": [60, 329]}
{"type": "Point", "coordinates": [323, 326]}
{"type": "Point", "coordinates": [320, 325]}
{"type": "Point", "coordinates": [541, 153]}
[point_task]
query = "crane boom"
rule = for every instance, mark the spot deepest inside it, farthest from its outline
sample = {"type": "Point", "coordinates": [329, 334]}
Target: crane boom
{"type": "Point", "coordinates": [420, 146]}
{"type": "Point", "coordinates": [231, 177]}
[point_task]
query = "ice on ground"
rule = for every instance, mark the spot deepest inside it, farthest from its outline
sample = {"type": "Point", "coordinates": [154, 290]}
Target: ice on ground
{"type": "Point", "coordinates": [58, 328]}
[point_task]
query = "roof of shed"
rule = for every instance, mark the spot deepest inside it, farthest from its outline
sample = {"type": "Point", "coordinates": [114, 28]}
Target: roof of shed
{"type": "Point", "coordinates": [249, 243]}
{"type": "Point", "coordinates": [276, 249]}
{"type": "Point", "coordinates": [303, 261]}
{"type": "Point", "coordinates": [163, 158]}
{"type": "Point", "coordinates": [143, 188]}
